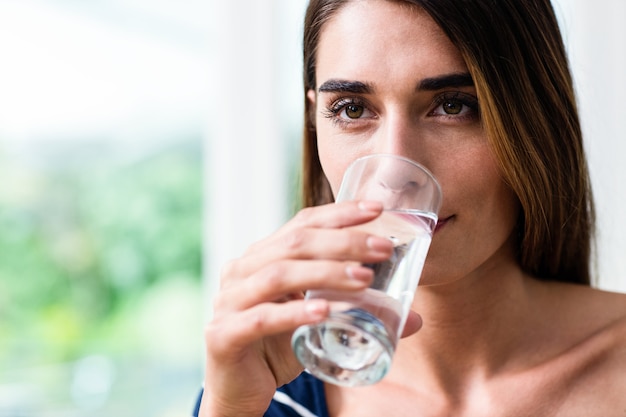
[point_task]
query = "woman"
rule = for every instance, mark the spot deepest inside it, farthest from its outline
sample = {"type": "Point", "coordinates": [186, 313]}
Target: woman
{"type": "Point", "coordinates": [480, 93]}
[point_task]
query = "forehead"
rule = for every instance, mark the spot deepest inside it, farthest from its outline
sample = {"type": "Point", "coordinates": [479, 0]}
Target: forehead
{"type": "Point", "coordinates": [385, 37]}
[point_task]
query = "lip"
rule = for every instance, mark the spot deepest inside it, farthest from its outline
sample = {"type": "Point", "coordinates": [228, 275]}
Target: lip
{"type": "Point", "coordinates": [441, 223]}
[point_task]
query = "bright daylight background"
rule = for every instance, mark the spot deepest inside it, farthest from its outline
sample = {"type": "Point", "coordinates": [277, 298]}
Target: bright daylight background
{"type": "Point", "coordinates": [145, 142]}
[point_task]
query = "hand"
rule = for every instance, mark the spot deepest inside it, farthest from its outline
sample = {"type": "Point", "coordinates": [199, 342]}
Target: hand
{"type": "Point", "coordinates": [261, 303]}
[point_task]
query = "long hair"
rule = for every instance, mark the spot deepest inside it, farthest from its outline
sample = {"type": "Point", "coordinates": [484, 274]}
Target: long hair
{"type": "Point", "coordinates": [515, 54]}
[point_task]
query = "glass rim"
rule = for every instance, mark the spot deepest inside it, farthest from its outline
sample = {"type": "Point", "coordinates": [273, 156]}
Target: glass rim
{"type": "Point", "coordinates": [428, 173]}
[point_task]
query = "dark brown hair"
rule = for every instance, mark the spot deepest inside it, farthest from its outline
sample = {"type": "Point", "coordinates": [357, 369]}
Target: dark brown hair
{"type": "Point", "coordinates": [515, 54]}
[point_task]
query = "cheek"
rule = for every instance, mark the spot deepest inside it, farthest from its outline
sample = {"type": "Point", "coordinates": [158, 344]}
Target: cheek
{"type": "Point", "coordinates": [334, 157]}
{"type": "Point", "coordinates": [332, 165]}
{"type": "Point", "coordinates": [494, 205]}
{"type": "Point", "coordinates": [333, 170]}
{"type": "Point", "coordinates": [331, 158]}
{"type": "Point", "coordinates": [472, 181]}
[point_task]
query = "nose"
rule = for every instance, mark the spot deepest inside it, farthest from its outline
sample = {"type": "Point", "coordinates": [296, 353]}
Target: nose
{"type": "Point", "coordinates": [398, 182]}
{"type": "Point", "coordinates": [400, 135]}
{"type": "Point", "coordinates": [395, 177]}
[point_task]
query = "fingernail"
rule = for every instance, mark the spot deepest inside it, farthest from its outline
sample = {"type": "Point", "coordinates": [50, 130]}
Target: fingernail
{"type": "Point", "coordinates": [359, 273]}
{"type": "Point", "coordinates": [370, 205]}
{"type": "Point", "coordinates": [316, 309]}
{"type": "Point", "coordinates": [379, 244]}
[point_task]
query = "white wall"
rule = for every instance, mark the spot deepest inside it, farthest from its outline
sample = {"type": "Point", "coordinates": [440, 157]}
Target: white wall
{"type": "Point", "coordinates": [597, 47]}
{"type": "Point", "coordinates": [255, 100]}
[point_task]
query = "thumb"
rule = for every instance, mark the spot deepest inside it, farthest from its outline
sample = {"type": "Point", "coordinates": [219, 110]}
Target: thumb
{"type": "Point", "coordinates": [413, 324]}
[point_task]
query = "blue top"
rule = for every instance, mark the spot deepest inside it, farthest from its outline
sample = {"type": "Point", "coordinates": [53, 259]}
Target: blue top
{"type": "Point", "coordinates": [302, 397]}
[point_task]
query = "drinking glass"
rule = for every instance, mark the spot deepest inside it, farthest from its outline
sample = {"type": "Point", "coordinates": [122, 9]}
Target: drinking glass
{"type": "Point", "coordinates": [355, 344]}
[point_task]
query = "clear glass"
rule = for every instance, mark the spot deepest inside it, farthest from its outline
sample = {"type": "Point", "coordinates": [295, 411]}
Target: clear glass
{"type": "Point", "coordinates": [355, 345]}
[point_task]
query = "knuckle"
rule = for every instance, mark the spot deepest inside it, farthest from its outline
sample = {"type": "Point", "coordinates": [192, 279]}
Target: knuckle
{"type": "Point", "coordinates": [254, 247]}
{"type": "Point", "coordinates": [214, 338]}
{"type": "Point", "coordinates": [218, 304]}
{"type": "Point", "coordinates": [257, 321]}
{"type": "Point", "coordinates": [210, 329]}
{"type": "Point", "coordinates": [305, 215]}
{"type": "Point", "coordinates": [229, 269]}
{"type": "Point", "coordinates": [295, 240]}
{"type": "Point", "coordinates": [273, 276]}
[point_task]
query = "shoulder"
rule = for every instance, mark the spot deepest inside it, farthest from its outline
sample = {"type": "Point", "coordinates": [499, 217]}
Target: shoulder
{"type": "Point", "coordinates": [586, 313]}
{"type": "Point", "coordinates": [599, 307]}
{"type": "Point", "coordinates": [303, 397]}
{"type": "Point", "coordinates": [606, 324]}
{"type": "Point", "coordinates": [592, 325]}
{"type": "Point", "coordinates": [584, 323]}
{"type": "Point", "coordinates": [581, 337]}
{"type": "Point", "coordinates": [576, 299]}
{"type": "Point", "coordinates": [604, 318]}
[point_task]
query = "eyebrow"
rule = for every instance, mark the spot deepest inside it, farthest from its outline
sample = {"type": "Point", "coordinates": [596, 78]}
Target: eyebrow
{"type": "Point", "coordinates": [343, 86]}
{"type": "Point", "coordinates": [446, 81]}
{"type": "Point", "coordinates": [428, 84]}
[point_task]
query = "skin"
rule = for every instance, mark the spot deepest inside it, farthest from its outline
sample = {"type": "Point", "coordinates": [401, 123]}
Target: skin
{"type": "Point", "coordinates": [495, 341]}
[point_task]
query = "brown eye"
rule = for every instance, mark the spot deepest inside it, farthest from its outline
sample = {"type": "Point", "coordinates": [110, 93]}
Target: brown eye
{"type": "Point", "coordinates": [452, 107]}
{"type": "Point", "coordinates": [354, 111]}
{"type": "Point", "coordinates": [455, 106]}
{"type": "Point", "coordinates": [350, 111]}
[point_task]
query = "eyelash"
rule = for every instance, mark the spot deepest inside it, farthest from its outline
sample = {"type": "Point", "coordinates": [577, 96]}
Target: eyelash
{"type": "Point", "coordinates": [468, 101]}
{"type": "Point", "coordinates": [333, 111]}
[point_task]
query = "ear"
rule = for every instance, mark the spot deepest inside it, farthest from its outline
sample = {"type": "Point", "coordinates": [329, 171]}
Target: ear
{"type": "Point", "coordinates": [311, 103]}
{"type": "Point", "coordinates": [310, 95]}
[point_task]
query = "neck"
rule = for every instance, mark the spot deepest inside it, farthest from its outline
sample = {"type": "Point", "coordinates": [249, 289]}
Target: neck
{"type": "Point", "coordinates": [472, 327]}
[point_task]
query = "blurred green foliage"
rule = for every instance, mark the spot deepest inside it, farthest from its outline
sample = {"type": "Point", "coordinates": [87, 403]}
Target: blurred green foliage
{"type": "Point", "coordinates": [96, 249]}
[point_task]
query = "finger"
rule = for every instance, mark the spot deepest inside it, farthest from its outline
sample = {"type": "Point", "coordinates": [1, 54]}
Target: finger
{"type": "Point", "coordinates": [235, 332]}
{"type": "Point", "coordinates": [337, 215]}
{"type": "Point", "coordinates": [283, 279]}
{"type": "Point", "coordinates": [309, 244]}
{"type": "Point", "coordinates": [337, 244]}
{"type": "Point", "coordinates": [412, 325]}
{"type": "Point", "coordinates": [328, 216]}
{"type": "Point", "coordinates": [299, 230]}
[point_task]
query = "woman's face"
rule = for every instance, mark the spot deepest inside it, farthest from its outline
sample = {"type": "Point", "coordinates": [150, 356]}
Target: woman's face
{"type": "Point", "coordinates": [390, 81]}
